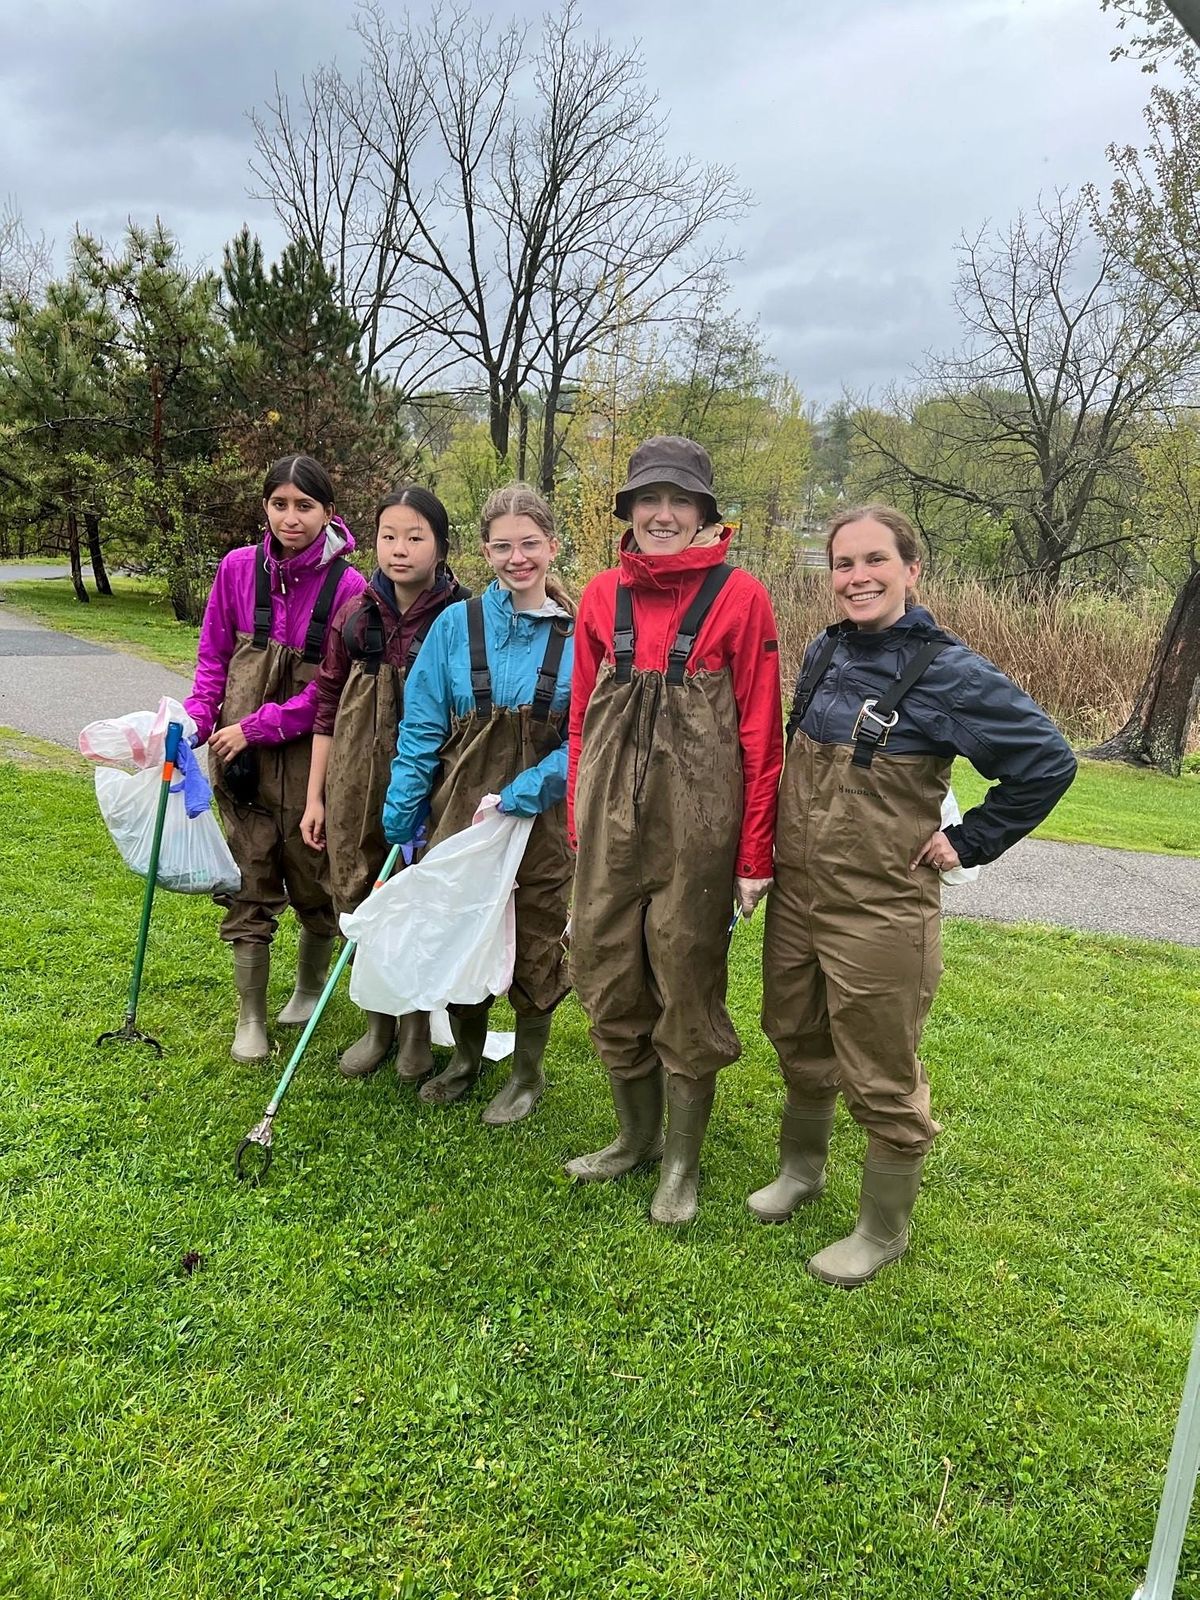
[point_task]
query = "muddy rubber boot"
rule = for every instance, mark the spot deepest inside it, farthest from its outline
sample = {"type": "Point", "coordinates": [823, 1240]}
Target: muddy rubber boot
{"type": "Point", "coordinates": [414, 1053]}
{"type": "Point", "coordinates": [456, 1079]}
{"type": "Point", "coordinates": [689, 1106]}
{"type": "Point", "coordinates": [526, 1082]}
{"type": "Point", "coordinates": [251, 970]}
{"type": "Point", "coordinates": [889, 1192]}
{"type": "Point", "coordinates": [312, 968]}
{"type": "Point", "coordinates": [804, 1134]}
{"type": "Point", "coordinates": [639, 1107]}
{"type": "Point", "coordinates": [367, 1055]}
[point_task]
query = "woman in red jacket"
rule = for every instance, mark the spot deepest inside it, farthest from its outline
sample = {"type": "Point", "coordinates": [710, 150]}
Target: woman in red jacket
{"type": "Point", "coordinates": [676, 745]}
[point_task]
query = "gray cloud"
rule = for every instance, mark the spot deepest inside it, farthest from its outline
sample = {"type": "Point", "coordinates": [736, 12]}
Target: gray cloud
{"type": "Point", "coordinates": [872, 135]}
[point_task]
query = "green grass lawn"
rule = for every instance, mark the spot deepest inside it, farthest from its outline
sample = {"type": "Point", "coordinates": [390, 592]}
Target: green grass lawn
{"type": "Point", "coordinates": [417, 1363]}
{"type": "Point", "coordinates": [1129, 808]}
{"type": "Point", "coordinates": [138, 617]}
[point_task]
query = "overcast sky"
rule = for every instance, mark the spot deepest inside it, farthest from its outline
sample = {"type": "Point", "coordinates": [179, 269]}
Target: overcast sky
{"type": "Point", "coordinates": [871, 132]}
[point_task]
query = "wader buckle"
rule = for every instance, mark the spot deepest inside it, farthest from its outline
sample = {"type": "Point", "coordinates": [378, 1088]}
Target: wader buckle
{"type": "Point", "coordinates": [879, 727]}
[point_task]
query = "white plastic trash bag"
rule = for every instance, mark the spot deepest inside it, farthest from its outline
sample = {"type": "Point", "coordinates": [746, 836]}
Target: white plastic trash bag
{"type": "Point", "coordinates": [445, 930]}
{"type": "Point", "coordinates": [951, 817]}
{"type": "Point", "coordinates": [138, 739]}
{"type": "Point", "coordinates": [193, 857]}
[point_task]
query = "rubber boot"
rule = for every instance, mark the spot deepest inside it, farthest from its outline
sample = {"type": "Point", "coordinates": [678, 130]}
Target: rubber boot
{"type": "Point", "coordinates": [455, 1080]}
{"type": "Point", "coordinates": [312, 968]}
{"type": "Point", "coordinates": [526, 1082]}
{"type": "Point", "coordinates": [689, 1106]}
{"type": "Point", "coordinates": [889, 1192]}
{"type": "Point", "coordinates": [804, 1135]}
{"type": "Point", "coordinates": [639, 1107]}
{"type": "Point", "coordinates": [414, 1053]}
{"type": "Point", "coordinates": [367, 1055]}
{"type": "Point", "coordinates": [251, 970]}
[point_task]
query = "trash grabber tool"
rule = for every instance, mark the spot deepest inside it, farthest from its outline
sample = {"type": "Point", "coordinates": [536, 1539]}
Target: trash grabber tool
{"type": "Point", "coordinates": [129, 1031]}
{"type": "Point", "coordinates": [260, 1136]}
{"type": "Point", "coordinates": [1180, 1487]}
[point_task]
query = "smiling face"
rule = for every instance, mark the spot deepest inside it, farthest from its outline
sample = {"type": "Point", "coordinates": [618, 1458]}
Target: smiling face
{"type": "Point", "coordinates": [665, 519]}
{"type": "Point", "coordinates": [295, 518]}
{"type": "Point", "coordinates": [405, 548]}
{"type": "Point", "coordinates": [520, 553]}
{"type": "Point", "coordinates": [871, 580]}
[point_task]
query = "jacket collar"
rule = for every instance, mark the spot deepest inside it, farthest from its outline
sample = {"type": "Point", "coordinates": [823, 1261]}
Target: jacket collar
{"type": "Point", "coordinates": [337, 540]}
{"type": "Point", "coordinates": [915, 623]}
{"type": "Point", "coordinates": [639, 571]}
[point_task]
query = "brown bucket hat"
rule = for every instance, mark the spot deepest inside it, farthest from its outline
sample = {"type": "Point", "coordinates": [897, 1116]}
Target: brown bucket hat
{"type": "Point", "coordinates": [669, 459]}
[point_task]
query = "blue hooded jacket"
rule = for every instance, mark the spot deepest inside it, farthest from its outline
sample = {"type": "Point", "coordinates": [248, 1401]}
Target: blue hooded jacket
{"type": "Point", "coordinates": [438, 689]}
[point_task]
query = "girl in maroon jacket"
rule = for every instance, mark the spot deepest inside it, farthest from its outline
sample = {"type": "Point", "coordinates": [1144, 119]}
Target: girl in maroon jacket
{"type": "Point", "coordinates": [676, 745]}
{"type": "Point", "coordinates": [360, 699]}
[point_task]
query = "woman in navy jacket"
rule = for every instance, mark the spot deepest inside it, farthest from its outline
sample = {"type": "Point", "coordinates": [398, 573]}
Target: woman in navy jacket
{"type": "Point", "coordinates": [852, 946]}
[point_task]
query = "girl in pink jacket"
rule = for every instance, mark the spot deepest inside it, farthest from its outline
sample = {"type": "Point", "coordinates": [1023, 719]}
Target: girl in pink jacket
{"type": "Point", "coordinates": [254, 700]}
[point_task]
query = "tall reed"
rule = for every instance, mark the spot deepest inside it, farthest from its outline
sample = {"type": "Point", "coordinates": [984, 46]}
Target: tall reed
{"type": "Point", "coordinates": [1083, 657]}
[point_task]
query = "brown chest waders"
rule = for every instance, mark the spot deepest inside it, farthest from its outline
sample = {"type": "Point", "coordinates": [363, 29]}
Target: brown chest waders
{"type": "Point", "coordinates": [484, 752]}
{"type": "Point", "coordinates": [658, 811]}
{"type": "Point", "coordinates": [365, 733]}
{"type": "Point", "coordinates": [852, 947]}
{"type": "Point", "coordinates": [277, 866]}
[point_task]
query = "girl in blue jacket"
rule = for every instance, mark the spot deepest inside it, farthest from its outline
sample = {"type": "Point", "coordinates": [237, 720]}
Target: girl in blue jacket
{"type": "Point", "coordinates": [485, 711]}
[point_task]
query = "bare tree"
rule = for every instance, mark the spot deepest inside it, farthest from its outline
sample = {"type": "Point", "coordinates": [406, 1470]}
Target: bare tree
{"type": "Point", "coordinates": [26, 262]}
{"type": "Point", "coordinates": [1034, 422]}
{"type": "Point", "coordinates": [492, 215]}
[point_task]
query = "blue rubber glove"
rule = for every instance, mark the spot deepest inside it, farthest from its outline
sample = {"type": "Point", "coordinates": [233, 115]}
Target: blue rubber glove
{"type": "Point", "coordinates": [197, 791]}
{"type": "Point", "coordinates": [418, 842]}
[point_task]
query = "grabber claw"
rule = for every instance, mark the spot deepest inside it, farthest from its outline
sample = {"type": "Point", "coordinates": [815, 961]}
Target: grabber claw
{"type": "Point", "coordinates": [259, 1139]}
{"type": "Point", "coordinates": [128, 1034]}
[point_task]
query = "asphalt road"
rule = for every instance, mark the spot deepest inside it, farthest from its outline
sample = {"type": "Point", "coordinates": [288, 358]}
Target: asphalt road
{"type": "Point", "coordinates": [52, 685]}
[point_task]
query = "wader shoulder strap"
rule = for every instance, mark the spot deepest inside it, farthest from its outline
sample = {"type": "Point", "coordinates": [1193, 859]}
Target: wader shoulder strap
{"type": "Point", "coordinates": [414, 649]}
{"type": "Point", "coordinates": [623, 635]}
{"type": "Point", "coordinates": [807, 685]}
{"type": "Point", "coordinates": [685, 640]}
{"type": "Point", "coordinates": [547, 678]}
{"type": "Point", "coordinates": [262, 601]}
{"type": "Point", "coordinates": [314, 638]}
{"type": "Point", "coordinates": [879, 716]}
{"type": "Point", "coordinates": [363, 633]}
{"type": "Point", "coordinates": [481, 677]}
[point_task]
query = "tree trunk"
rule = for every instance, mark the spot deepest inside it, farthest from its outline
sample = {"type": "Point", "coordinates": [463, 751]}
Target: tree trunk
{"type": "Point", "coordinates": [1157, 730]}
{"type": "Point", "coordinates": [549, 460]}
{"type": "Point", "coordinates": [92, 523]}
{"type": "Point", "coordinates": [81, 593]}
{"type": "Point", "coordinates": [522, 437]}
{"type": "Point", "coordinates": [498, 422]}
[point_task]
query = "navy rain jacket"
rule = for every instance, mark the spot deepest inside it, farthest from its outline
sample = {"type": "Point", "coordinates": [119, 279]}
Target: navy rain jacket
{"type": "Point", "coordinates": [963, 705]}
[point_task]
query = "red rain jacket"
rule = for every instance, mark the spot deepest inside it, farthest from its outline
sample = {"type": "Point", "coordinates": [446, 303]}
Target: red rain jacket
{"type": "Point", "coordinates": [739, 632]}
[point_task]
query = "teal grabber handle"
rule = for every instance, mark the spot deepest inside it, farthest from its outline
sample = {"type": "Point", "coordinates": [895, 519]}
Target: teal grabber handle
{"type": "Point", "coordinates": [129, 1029]}
{"type": "Point", "coordinates": [260, 1135]}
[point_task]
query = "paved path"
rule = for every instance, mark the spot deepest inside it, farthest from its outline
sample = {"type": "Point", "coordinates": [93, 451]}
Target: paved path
{"type": "Point", "coordinates": [18, 572]}
{"type": "Point", "coordinates": [1085, 886]}
{"type": "Point", "coordinates": [52, 685]}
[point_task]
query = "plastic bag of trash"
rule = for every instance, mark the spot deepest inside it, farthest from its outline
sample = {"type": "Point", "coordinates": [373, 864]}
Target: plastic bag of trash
{"type": "Point", "coordinates": [445, 930]}
{"type": "Point", "coordinates": [951, 817]}
{"type": "Point", "coordinates": [193, 856]}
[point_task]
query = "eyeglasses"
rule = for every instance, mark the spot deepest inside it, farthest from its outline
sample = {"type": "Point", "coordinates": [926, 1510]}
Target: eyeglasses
{"type": "Point", "coordinates": [527, 547]}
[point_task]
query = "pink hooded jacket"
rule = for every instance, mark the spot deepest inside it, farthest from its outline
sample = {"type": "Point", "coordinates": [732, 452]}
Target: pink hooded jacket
{"type": "Point", "coordinates": [295, 584]}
